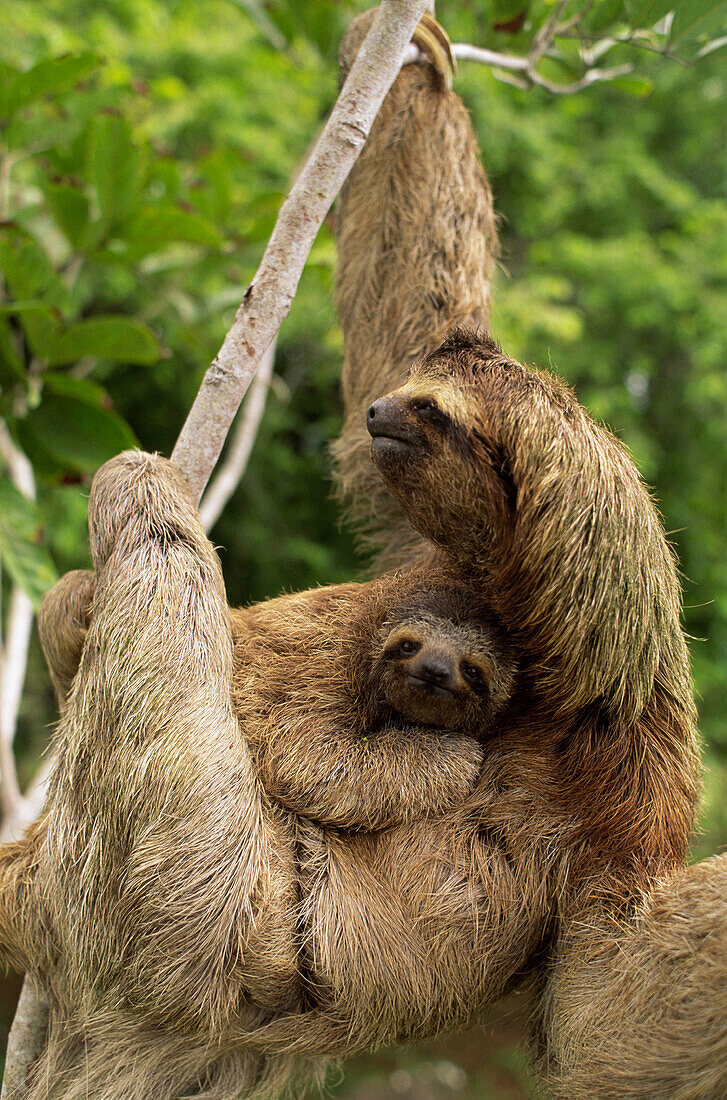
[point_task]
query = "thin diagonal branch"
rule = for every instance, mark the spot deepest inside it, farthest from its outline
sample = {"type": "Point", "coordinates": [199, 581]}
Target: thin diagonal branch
{"type": "Point", "coordinates": [14, 654]}
{"type": "Point", "coordinates": [268, 298]}
{"type": "Point", "coordinates": [228, 476]}
{"type": "Point", "coordinates": [524, 67]}
{"type": "Point", "coordinates": [25, 1042]}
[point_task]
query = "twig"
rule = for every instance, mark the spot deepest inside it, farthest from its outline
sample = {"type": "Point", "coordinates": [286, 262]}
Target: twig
{"type": "Point", "coordinates": [243, 437]}
{"type": "Point", "coordinates": [12, 677]}
{"type": "Point", "coordinates": [14, 656]}
{"type": "Point", "coordinates": [524, 66]}
{"type": "Point", "coordinates": [25, 1042]}
{"type": "Point", "coordinates": [30, 806]}
{"type": "Point", "coordinates": [270, 294]}
{"type": "Point", "coordinates": [27, 1034]}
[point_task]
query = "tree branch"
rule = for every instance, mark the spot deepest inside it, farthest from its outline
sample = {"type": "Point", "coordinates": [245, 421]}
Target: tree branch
{"type": "Point", "coordinates": [25, 1042]}
{"type": "Point", "coordinates": [524, 67]}
{"type": "Point", "coordinates": [30, 806]}
{"type": "Point", "coordinates": [14, 654]}
{"type": "Point", "coordinates": [27, 1035]}
{"type": "Point", "coordinates": [228, 476]}
{"type": "Point", "coordinates": [268, 298]}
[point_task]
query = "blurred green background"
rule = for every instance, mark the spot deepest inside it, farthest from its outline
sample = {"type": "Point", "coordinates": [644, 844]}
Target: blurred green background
{"type": "Point", "coordinates": [140, 176]}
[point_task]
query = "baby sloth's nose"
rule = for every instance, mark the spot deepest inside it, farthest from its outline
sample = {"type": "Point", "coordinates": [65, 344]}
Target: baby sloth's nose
{"type": "Point", "coordinates": [437, 672]}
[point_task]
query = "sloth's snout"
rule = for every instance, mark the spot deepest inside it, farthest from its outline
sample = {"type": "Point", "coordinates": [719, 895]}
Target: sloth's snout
{"type": "Point", "coordinates": [384, 416]}
{"type": "Point", "coordinates": [434, 675]}
{"type": "Point", "coordinates": [387, 419]}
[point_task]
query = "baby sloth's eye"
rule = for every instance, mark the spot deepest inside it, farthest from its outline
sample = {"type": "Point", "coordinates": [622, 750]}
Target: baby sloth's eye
{"type": "Point", "coordinates": [407, 647]}
{"type": "Point", "coordinates": [474, 677]}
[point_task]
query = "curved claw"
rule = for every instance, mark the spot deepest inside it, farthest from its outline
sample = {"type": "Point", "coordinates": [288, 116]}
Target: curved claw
{"type": "Point", "coordinates": [433, 40]}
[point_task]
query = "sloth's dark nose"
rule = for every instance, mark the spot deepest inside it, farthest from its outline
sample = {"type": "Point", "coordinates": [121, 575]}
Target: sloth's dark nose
{"type": "Point", "coordinates": [384, 418]}
{"type": "Point", "coordinates": [437, 672]}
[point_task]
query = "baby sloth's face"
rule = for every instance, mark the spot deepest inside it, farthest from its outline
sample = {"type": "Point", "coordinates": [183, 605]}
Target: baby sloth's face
{"type": "Point", "coordinates": [453, 676]}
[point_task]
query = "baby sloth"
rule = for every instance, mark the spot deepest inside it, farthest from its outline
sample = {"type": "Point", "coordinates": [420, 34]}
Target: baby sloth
{"type": "Point", "coordinates": [443, 670]}
{"type": "Point", "coordinates": [408, 681]}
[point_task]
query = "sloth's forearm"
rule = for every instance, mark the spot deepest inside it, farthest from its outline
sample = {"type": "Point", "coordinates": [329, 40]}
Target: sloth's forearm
{"type": "Point", "coordinates": [583, 576]}
{"type": "Point", "coordinates": [370, 782]}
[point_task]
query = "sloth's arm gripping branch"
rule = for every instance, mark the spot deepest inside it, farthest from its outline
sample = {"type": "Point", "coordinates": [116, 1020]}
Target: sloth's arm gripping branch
{"type": "Point", "coordinates": [148, 743]}
{"type": "Point", "coordinates": [416, 253]}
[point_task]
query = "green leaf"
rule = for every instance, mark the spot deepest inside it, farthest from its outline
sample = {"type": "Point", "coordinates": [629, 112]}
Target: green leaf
{"type": "Point", "coordinates": [155, 227]}
{"type": "Point", "coordinates": [20, 307]}
{"type": "Point", "coordinates": [12, 368]}
{"type": "Point", "coordinates": [645, 13]}
{"type": "Point", "coordinates": [603, 15]}
{"type": "Point", "coordinates": [689, 19]}
{"type": "Point", "coordinates": [113, 170]}
{"type": "Point", "coordinates": [39, 323]}
{"type": "Point", "coordinates": [507, 11]}
{"type": "Point", "coordinates": [69, 207]}
{"type": "Point", "coordinates": [50, 77]}
{"type": "Point", "coordinates": [633, 85]}
{"type": "Point", "coordinates": [120, 339]}
{"type": "Point", "coordinates": [80, 389]}
{"type": "Point", "coordinates": [27, 269]}
{"type": "Point", "coordinates": [28, 564]}
{"type": "Point", "coordinates": [559, 70]}
{"type": "Point", "coordinates": [75, 425]}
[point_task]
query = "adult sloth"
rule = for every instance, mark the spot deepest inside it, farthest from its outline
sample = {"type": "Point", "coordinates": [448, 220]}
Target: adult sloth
{"type": "Point", "coordinates": [151, 912]}
{"type": "Point", "coordinates": [588, 795]}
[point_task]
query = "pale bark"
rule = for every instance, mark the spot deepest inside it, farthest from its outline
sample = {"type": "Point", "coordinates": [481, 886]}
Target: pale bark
{"type": "Point", "coordinates": [25, 1042]}
{"type": "Point", "coordinates": [524, 68]}
{"type": "Point", "coordinates": [268, 298]}
{"type": "Point", "coordinates": [14, 651]}
{"type": "Point", "coordinates": [239, 449]}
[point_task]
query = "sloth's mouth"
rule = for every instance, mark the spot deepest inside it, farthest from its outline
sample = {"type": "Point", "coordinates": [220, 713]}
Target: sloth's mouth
{"type": "Point", "coordinates": [430, 686]}
{"type": "Point", "coordinates": [383, 445]}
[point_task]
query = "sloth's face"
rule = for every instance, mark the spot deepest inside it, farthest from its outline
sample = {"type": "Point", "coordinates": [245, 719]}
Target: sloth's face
{"type": "Point", "coordinates": [441, 467]}
{"type": "Point", "coordinates": [440, 674]}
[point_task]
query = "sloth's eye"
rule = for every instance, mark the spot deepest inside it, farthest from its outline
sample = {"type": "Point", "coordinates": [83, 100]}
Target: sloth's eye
{"type": "Point", "coordinates": [407, 647]}
{"type": "Point", "coordinates": [474, 677]}
{"type": "Point", "coordinates": [427, 409]}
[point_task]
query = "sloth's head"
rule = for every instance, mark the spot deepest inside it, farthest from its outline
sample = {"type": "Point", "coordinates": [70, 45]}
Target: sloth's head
{"type": "Point", "coordinates": [438, 442]}
{"type": "Point", "coordinates": [439, 665]}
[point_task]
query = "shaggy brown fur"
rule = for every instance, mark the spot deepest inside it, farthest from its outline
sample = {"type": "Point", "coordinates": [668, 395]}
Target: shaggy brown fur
{"type": "Point", "coordinates": [638, 1008]}
{"type": "Point", "coordinates": [591, 789]}
{"type": "Point", "coordinates": [573, 556]}
{"type": "Point", "coordinates": [416, 253]}
{"type": "Point", "coordinates": [142, 918]}
{"type": "Point", "coordinates": [122, 921]}
{"type": "Point", "coordinates": [585, 798]}
{"type": "Point", "coordinates": [320, 688]}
